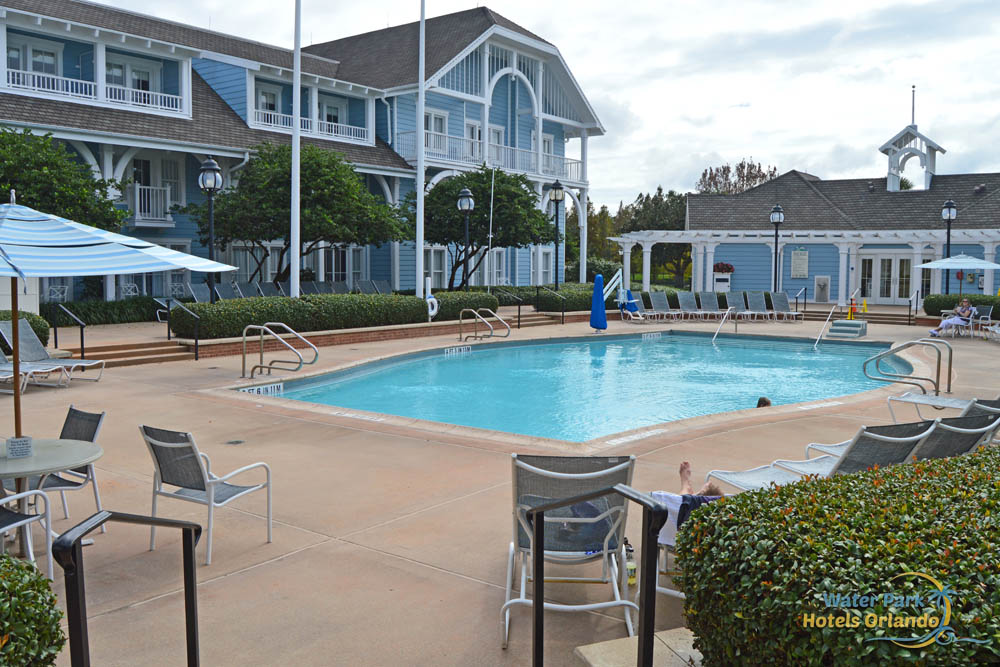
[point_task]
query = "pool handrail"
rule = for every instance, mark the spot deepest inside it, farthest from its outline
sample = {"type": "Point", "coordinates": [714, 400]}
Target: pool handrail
{"type": "Point", "coordinates": [276, 363]}
{"type": "Point", "coordinates": [805, 298]}
{"type": "Point", "coordinates": [494, 315]}
{"type": "Point", "coordinates": [902, 378]}
{"type": "Point", "coordinates": [729, 311]}
{"type": "Point", "coordinates": [475, 325]}
{"type": "Point", "coordinates": [823, 330]}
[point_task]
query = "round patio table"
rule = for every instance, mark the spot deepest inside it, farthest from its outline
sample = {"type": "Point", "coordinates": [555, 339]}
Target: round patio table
{"type": "Point", "coordinates": [51, 455]}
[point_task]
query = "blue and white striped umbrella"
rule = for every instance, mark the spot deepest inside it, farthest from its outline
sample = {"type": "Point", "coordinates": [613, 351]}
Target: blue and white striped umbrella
{"type": "Point", "coordinates": [38, 245]}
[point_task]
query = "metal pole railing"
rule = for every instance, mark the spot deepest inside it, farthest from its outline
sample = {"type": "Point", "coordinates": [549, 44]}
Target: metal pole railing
{"type": "Point", "coordinates": [68, 552]}
{"type": "Point", "coordinates": [80, 323]}
{"type": "Point", "coordinates": [516, 298]}
{"type": "Point", "coordinates": [654, 515]}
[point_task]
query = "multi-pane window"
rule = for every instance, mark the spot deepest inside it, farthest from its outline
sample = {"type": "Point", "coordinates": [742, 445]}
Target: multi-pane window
{"type": "Point", "coordinates": [434, 266]}
{"type": "Point", "coordinates": [170, 176]}
{"type": "Point", "coordinates": [43, 61]}
{"type": "Point", "coordinates": [14, 60]}
{"type": "Point", "coordinates": [132, 73]}
{"type": "Point", "coordinates": [141, 79]}
{"type": "Point", "coordinates": [357, 265]}
{"type": "Point", "coordinates": [436, 129]}
{"type": "Point", "coordinates": [142, 172]}
{"type": "Point", "coordinates": [267, 100]}
{"type": "Point", "coordinates": [546, 267]}
{"type": "Point", "coordinates": [337, 264]}
{"type": "Point", "coordinates": [333, 113]}
{"type": "Point", "coordinates": [115, 74]}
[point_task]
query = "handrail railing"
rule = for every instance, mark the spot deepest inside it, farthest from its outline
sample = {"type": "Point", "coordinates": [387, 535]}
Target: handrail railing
{"type": "Point", "coordinates": [729, 311]}
{"type": "Point", "coordinates": [914, 380]}
{"type": "Point", "coordinates": [68, 552]}
{"type": "Point", "coordinates": [912, 303]}
{"type": "Point", "coordinates": [654, 515]}
{"type": "Point", "coordinates": [80, 323]}
{"type": "Point", "coordinates": [519, 300]}
{"type": "Point", "coordinates": [612, 285]}
{"type": "Point", "coordinates": [543, 287]}
{"type": "Point", "coordinates": [197, 320]}
{"type": "Point", "coordinates": [500, 319]}
{"type": "Point", "coordinates": [475, 325]}
{"type": "Point", "coordinates": [805, 299]}
{"type": "Point", "coordinates": [276, 363]}
{"type": "Point", "coordinates": [823, 330]}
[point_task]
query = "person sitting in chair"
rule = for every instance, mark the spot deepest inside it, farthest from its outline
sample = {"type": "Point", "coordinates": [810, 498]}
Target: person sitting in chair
{"type": "Point", "coordinates": [962, 317]}
{"type": "Point", "coordinates": [681, 505]}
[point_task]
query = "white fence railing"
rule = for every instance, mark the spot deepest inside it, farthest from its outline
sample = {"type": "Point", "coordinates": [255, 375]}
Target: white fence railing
{"type": "Point", "coordinates": [283, 121]}
{"type": "Point", "coordinates": [459, 149]}
{"type": "Point", "coordinates": [151, 203]}
{"type": "Point", "coordinates": [148, 99]}
{"type": "Point", "coordinates": [50, 83]}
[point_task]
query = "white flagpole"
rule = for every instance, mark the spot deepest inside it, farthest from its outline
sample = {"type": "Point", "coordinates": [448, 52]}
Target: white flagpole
{"type": "Point", "coordinates": [294, 236]}
{"type": "Point", "coordinates": [489, 236]}
{"type": "Point", "coordinates": [419, 240]}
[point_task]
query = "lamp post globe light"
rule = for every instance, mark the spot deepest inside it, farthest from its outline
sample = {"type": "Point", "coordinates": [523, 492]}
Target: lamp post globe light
{"type": "Point", "coordinates": [210, 182]}
{"type": "Point", "coordinates": [777, 217]}
{"type": "Point", "coordinates": [948, 213]}
{"type": "Point", "coordinates": [556, 194]}
{"type": "Point", "coordinates": [466, 204]}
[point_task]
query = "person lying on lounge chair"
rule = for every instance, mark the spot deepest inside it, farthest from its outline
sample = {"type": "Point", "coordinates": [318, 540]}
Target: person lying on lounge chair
{"type": "Point", "coordinates": [681, 505]}
{"type": "Point", "coordinates": [962, 316]}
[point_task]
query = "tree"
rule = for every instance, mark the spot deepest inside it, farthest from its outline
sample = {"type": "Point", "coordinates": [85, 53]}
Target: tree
{"type": "Point", "coordinates": [659, 211]}
{"type": "Point", "coordinates": [600, 226]}
{"type": "Point", "coordinates": [47, 176]}
{"type": "Point", "coordinates": [725, 180]}
{"type": "Point", "coordinates": [905, 183]}
{"type": "Point", "coordinates": [335, 206]}
{"type": "Point", "coordinates": [517, 221]}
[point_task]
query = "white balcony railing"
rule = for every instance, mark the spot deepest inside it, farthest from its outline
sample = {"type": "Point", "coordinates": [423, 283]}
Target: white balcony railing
{"type": "Point", "coordinates": [50, 83]}
{"type": "Point", "coordinates": [150, 204]}
{"type": "Point", "coordinates": [283, 121]}
{"type": "Point", "coordinates": [458, 149]}
{"type": "Point", "coordinates": [135, 97]}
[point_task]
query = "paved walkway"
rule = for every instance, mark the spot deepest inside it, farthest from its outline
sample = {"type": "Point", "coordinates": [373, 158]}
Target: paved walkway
{"type": "Point", "coordinates": [389, 543]}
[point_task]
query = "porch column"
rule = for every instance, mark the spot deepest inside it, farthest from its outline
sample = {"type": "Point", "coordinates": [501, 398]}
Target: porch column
{"type": "Point", "coordinates": [844, 270]}
{"type": "Point", "coordinates": [369, 119]}
{"type": "Point", "coordinates": [989, 255]}
{"type": "Point", "coordinates": [936, 277]}
{"type": "Point", "coordinates": [538, 119]}
{"type": "Point", "coordinates": [184, 87]}
{"type": "Point", "coordinates": [696, 267]}
{"type": "Point", "coordinates": [101, 72]}
{"type": "Point", "coordinates": [647, 260]}
{"type": "Point", "coordinates": [484, 127]}
{"type": "Point", "coordinates": [709, 272]}
{"type": "Point", "coordinates": [107, 162]}
{"type": "Point", "coordinates": [3, 50]}
{"type": "Point", "coordinates": [582, 218]}
{"type": "Point", "coordinates": [314, 107]}
{"type": "Point", "coordinates": [627, 263]}
{"type": "Point", "coordinates": [915, 261]}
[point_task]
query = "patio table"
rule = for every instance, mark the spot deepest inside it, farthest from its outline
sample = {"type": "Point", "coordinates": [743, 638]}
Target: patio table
{"type": "Point", "coordinates": [51, 455]}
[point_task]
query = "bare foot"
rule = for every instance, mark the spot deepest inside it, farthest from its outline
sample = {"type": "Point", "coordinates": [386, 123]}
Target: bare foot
{"type": "Point", "coordinates": [685, 472]}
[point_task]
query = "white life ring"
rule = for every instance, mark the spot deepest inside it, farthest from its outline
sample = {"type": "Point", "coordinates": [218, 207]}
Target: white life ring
{"type": "Point", "coordinates": [432, 307]}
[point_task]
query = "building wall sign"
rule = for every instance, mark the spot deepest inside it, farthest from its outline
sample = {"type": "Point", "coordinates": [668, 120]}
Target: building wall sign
{"type": "Point", "coordinates": [800, 264]}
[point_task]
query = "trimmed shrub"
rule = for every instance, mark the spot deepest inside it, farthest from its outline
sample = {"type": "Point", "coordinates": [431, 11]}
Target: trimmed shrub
{"type": "Point", "coordinates": [313, 312]}
{"type": "Point", "coordinates": [934, 304]}
{"type": "Point", "coordinates": [39, 324]}
{"type": "Point", "coordinates": [452, 303]}
{"type": "Point", "coordinates": [756, 564]}
{"type": "Point", "coordinates": [29, 615]}
{"type": "Point", "coordinates": [595, 265]}
{"type": "Point", "coordinates": [123, 311]}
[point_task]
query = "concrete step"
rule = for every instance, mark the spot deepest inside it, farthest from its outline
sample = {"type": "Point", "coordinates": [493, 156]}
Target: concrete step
{"type": "Point", "coordinates": [138, 352]}
{"type": "Point", "coordinates": [155, 359]}
{"type": "Point", "coordinates": [117, 347]}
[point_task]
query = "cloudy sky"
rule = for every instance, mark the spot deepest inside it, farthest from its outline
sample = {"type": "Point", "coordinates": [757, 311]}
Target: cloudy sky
{"type": "Point", "coordinates": [814, 85]}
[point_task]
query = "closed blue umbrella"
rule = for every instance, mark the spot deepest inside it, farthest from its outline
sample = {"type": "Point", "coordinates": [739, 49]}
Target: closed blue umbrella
{"type": "Point", "coordinates": [38, 245]}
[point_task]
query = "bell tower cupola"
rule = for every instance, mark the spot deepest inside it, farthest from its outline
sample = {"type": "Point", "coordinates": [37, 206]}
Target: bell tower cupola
{"type": "Point", "coordinates": [907, 144]}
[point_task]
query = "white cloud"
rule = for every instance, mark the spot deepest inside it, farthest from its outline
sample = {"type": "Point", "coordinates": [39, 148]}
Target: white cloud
{"type": "Point", "coordinates": [682, 85]}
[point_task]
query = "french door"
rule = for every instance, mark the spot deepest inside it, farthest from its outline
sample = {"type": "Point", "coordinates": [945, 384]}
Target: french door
{"type": "Point", "coordinates": [886, 279]}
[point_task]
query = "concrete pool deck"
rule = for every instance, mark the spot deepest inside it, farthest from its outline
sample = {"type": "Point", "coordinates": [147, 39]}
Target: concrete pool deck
{"type": "Point", "coordinates": [390, 541]}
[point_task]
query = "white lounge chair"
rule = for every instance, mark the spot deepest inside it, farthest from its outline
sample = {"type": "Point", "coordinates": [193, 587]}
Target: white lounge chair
{"type": "Point", "coordinates": [583, 533]}
{"type": "Point", "coordinates": [758, 307]}
{"type": "Point", "coordinates": [779, 300]}
{"type": "Point", "coordinates": [660, 304]}
{"type": "Point", "coordinates": [952, 436]}
{"type": "Point", "coordinates": [177, 462]}
{"type": "Point", "coordinates": [710, 305]}
{"type": "Point", "coordinates": [33, 351]}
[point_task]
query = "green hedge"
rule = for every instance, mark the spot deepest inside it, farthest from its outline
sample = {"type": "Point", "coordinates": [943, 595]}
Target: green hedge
{"type": "Point", "coordinates": [132, 309]}
{"type": "Point", "coordinates": [29, 615]}
{"type": "Point", "coordinates": [934, 304]}
{"type": "Point", "coordinates": [452, 303]}
{"type": "Point", "coordinates": [314, 312]}
{"type": "Point", "coordinates": [756, 564]}
{"type": "Point", "coordinates": [39, 324]}
{"type": "Point", "coordinates": [606, 267]}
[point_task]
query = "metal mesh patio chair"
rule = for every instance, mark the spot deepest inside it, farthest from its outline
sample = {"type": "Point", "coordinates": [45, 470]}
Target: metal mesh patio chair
{"type": "Point", "coordinates": [200, 292]}
{"type": "Point", "coordinates": [710, 305]}
{"type": "Point", "coordinates": [644, 314]}
{"type": "Point", "coordinates": [177, 462]}
{"type": "Point", "coordinates": [783, 308]}
{"type": "Point", "coordinates": [247, 290]}
{"type": "Point", "coordinates": [226, 290]}
{"type": "Point", "coordinates": [735, 301]}
{"type": "Point", "coordinates": [33, 351]}
{"type": "Point", "coordinates": [79, 425]}
{"type": "Point", "coordinates": [366, 287]}
{"type": "Point", "coordinates": [268, 289]}
{"type": "Point", "coordinates": [323, 287]}
{"type": "Point", "coordinates": [340, 287]}
{"type": "Point", "coordinates": [12, 519]}
{"type": "Point", "coordinates": [661, 305]}
{"type": "Point", "coordinates": [382, 286]}
{"type": "Point", "coordinates": [758, 306]}
{"type": "Point", "coordinates": [688, 306]}
{"type": "Point", "coordinates": [582, 533]}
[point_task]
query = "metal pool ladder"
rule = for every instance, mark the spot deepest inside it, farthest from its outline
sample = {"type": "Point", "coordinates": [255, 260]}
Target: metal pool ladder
{"type": "Point", "coordinates": [935, 382]}
{"type": "Point", "coordinates": [276, 364]}
{"type": "Point", "coordinates": [477, 318]}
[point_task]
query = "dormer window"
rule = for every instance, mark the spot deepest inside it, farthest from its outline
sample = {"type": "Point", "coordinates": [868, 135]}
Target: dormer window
{"type": "Point", "coordinates": [34, 55]}
{"type": "Point", "coordinates": [132, 73]}
{"type": "Point", "coordinates": [267, 100]}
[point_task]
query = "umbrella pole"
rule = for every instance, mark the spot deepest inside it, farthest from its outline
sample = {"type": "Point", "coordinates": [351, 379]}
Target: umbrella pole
{"type": "Point", "coordinates": [15, 347]}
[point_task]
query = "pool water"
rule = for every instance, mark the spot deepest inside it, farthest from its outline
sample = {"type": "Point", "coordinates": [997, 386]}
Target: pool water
{"type": "Point", "coordinates": [584, 389]}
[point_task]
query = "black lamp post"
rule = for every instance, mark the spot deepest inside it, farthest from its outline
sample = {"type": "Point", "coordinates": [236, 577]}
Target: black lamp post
{"type": "Point", "coordinates": [777, 217]}
{"type": "Point", "coordinates": [466, 204]}
{"type": "Point", "coordinates": [557, 193]}
{"type": "Point", "coordinates": [948, 213]}
{"type": "Point", "coordinates": [210, 182]}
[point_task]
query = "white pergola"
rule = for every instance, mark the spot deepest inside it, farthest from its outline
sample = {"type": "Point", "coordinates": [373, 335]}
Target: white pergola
{"type": "Point", "coordinates": [848, 242]}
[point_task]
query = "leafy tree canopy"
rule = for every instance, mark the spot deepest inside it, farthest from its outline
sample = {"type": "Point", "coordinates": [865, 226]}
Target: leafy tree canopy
{"type": "Point", "coordinates": [336, 207]}
{"type": "Point", "coordinates": [659, 210]}
{"type": "Point", "coordinates": [517, 221]}
{"type": "Point", "coordinates": [726, 180]}
{"type": "Point", "coordinates": [48, 177]}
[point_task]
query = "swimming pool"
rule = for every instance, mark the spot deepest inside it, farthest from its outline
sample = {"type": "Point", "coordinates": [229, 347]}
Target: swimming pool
{"type": "Point", "coordinates": [581, 389]}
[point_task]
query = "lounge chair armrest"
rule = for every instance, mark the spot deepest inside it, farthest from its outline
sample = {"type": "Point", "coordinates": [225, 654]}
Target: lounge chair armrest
{"type": "Point", "coordinates": [6, 500]}
{"type": "Point", "coordinates": [208, 464]}
{"type": "Point", "coordinates": [252, 466]}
